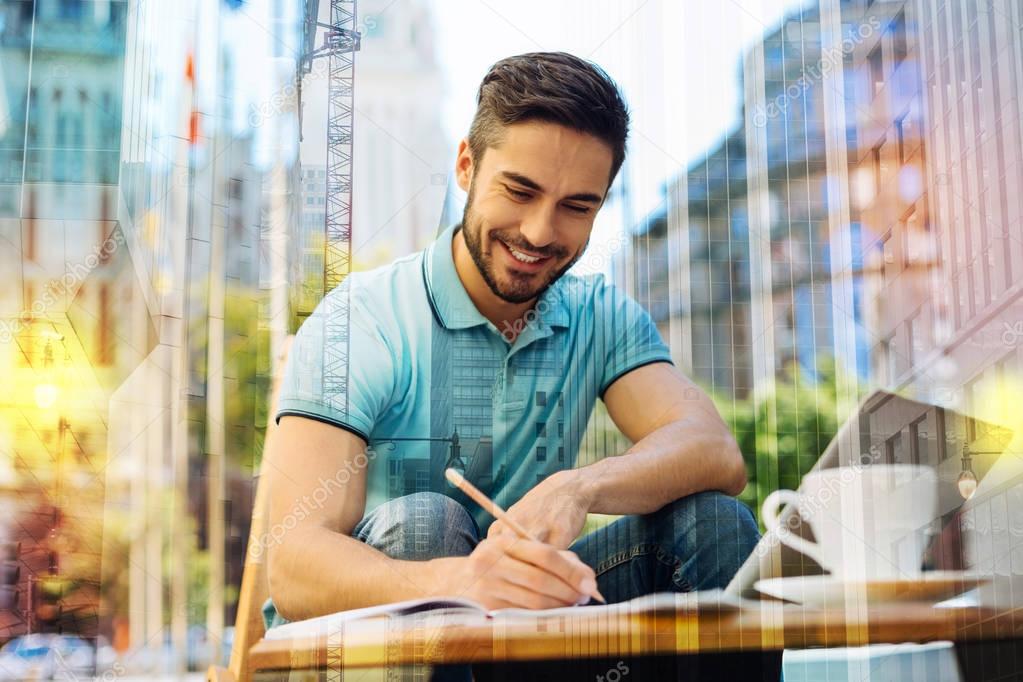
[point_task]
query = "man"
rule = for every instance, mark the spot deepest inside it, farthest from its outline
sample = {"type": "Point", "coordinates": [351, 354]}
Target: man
{"type": "Point", "coordinates": [483, 345]}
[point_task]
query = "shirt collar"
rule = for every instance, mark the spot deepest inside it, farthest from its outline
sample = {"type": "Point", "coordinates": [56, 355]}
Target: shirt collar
{"type": "Point", "coordinates": [451, 303]}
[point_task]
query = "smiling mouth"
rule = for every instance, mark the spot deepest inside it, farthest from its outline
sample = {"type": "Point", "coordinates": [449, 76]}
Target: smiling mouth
{"type": "Point", "coordinates": [524, 258]}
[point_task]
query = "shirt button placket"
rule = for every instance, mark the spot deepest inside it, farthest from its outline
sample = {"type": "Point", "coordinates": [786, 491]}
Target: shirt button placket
{"type": "Point", "coordinates": [507, 375]}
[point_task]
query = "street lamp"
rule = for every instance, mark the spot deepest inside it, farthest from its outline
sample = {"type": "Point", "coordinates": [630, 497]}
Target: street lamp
{"type": "Point", "coordinates": [454, 457]}
{"type": "Point", "coordinates": [967, 481]}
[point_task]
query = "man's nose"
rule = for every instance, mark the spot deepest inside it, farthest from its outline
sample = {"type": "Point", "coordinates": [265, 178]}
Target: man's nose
{"type": "Point", "coordinates": [538, 227]}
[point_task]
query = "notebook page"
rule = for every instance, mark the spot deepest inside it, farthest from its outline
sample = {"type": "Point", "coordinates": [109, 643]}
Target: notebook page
{"type": "Point", "coordinates": [323, 624]}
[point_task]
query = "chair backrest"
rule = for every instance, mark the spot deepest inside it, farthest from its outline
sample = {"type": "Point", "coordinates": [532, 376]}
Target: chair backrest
{"type": "Point", "coordinates": [255, 590]}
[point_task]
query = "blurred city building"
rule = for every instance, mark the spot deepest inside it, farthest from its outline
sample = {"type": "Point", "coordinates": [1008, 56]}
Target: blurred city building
{"type": "Point", "coordinates": [162, 230]}
{"type": "Point", "coordinates": [62, 69]}
{"type": "Point", "coordinates": [735, 261]}
{"type": "Point", "coordinates": [933, 166]}
{"type": "Point", "coordinates": [861, 217]}
{"type": "Point", "coordinates": [148, 195]}
{"type": "Point", "coordinates": [401, 155]}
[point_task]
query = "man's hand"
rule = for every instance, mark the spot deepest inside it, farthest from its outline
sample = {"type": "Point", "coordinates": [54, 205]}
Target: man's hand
{"type": "Point", "coordinates": [509, 572]}
{"type": "Point", "coordinates": [554, 511]}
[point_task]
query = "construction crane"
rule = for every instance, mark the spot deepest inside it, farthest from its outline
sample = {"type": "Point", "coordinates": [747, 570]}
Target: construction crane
{"type": "Point", "coordinates": [341, 42]}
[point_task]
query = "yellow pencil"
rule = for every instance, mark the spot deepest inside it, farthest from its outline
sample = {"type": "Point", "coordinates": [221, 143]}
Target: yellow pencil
{"type": "Point", "coordinates": [456, 479]}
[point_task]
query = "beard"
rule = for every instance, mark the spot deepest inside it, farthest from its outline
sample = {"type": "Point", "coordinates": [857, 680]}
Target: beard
{"type": "Point", "coordinates": [522, 287]}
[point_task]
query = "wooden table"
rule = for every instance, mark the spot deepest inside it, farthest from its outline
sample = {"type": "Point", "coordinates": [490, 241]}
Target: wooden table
{"type": "Point", "coordinates": [987, 642]}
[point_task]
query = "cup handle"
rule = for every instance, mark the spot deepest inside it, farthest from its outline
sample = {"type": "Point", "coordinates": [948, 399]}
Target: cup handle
{"type": "Point", "coordinates": [770, 510]}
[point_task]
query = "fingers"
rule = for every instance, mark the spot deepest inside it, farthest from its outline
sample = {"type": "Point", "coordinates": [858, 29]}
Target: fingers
{"type": "Point", "coordinates": [530, 574]}
{"type": "Point", "coordinates": [544, 588]}
{"type": "Point", "coordinates": [561, 564]}
{"type": "Point", "coordinates": [526, 597]}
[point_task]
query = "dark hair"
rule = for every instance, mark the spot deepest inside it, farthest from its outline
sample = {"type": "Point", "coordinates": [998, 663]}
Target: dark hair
{"type": "Point", "coordinates": [555, 87]}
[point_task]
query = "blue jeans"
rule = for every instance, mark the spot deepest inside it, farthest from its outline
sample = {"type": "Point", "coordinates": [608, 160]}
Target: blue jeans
{"type": "Point", "coordinates": [697, 542]}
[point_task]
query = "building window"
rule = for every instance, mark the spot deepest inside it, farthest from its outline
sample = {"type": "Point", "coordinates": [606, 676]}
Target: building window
{"type": "Point", "coordinates": [30, 231]}
{"type": "Point", "coordinates": [36, 107]}
{"type": "Point", "coordinates": [30, 297]}
{"type": "Point", "coordinates": [561, 453]}
{"type": "Point", "coordinates": [541, 399]}
{"type": "Point", "coordinates": [1004, 369]}
{"type": "Point", "coordinates": [940, 436]}
{"type": "Point", "coordinates": [541, 430]}
{"type": "Point", "coordinates": [900, 48]}
{"type": "Point", "coordinates": [875, 159]}
{"type": "Point", "coordinates": [887, 258]}
{"type": "Point", "coordinates": [875, 60]}
{"type": "Point", "coordinates": [893, 449]}
{"type": "Point", "coordinates": [886, 361]}
{"type": "Point", "coordinates": [900, 140]}
{"type": "Point", "coordinates": [106, 349]}
{"type": "Point", "coordinates": [541, 453]}
{"type": "Point", "coordinates": [912, 235]}
{"type": "Point", "coordinates": [970, 398]}
{"type": "Point", "coordinates": [422, 481]}
{"type": "Point", "coordinates": [918, 441]}
{"type": "Point", "coordinates": [561, 429]}
{"type": "Point", "coordinates": [914, 338]}
{"type": "Point", "coordinates": [70, 9]}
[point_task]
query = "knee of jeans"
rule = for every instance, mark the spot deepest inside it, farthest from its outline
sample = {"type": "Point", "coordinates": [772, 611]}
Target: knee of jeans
{"type": "Point", "coordinates": [719, 518]}
{"type": "Point", "coordinates": [421, 526]}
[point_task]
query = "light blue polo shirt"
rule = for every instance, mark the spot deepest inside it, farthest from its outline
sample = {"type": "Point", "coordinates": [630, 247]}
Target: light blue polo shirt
{"type": "Point", "coordinates": [421, 365]}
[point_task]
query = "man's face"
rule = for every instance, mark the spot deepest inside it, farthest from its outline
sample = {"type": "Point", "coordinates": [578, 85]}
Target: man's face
{"type": "Point", "coordinates": [531, 205]}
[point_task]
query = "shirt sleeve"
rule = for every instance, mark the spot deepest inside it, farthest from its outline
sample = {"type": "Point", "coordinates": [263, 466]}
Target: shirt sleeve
{"type": "Point", "coordinates": [631, 339]}
{"type": "Point", "coordinates": [348, 382]}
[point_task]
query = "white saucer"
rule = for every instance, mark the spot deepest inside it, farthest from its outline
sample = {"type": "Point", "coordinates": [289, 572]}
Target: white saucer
{"type": "Point", "coordinates": [821, 590]}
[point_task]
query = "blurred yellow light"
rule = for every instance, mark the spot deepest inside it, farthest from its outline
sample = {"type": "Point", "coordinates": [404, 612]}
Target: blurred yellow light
{"type": "Point", "coordinates": [150, 227]}
{"type": "Point", "coordinates": [46, 396]}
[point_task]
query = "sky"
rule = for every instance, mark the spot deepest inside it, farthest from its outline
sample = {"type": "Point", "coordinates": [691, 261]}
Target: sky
{"type": "Point", "coordinates": [677, 61]}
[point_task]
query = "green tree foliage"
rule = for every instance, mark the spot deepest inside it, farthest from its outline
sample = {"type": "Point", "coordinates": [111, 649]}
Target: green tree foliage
{"type": "Point", "coordinates": [783, 433]}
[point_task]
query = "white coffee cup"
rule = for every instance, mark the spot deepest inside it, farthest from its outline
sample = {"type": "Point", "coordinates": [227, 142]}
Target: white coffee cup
{"type": "Point", "coordinates": [869, 521]}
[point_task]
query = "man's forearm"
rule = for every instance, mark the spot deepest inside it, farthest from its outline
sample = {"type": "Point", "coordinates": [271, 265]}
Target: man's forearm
{"type": "Point", "coordinates": [678, 459]}
{"type": "Point", "coordinates": [318, 571]}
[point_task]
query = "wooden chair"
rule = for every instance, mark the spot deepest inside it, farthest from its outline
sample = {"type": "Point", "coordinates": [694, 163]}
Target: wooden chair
{"type": "Point", "coordinates": [255, 590]}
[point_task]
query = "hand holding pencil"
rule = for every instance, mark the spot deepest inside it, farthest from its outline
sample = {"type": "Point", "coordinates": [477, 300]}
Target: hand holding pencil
{"type": "Point", "coordinates": [456, 479]}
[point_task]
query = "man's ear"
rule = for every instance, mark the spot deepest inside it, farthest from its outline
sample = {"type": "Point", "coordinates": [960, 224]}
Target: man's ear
{"type": "Point", "coordinates": [464, 165]}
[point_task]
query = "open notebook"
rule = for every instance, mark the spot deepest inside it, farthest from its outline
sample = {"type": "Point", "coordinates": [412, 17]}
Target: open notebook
{"type": "Point", "coordinates": [456, 611]}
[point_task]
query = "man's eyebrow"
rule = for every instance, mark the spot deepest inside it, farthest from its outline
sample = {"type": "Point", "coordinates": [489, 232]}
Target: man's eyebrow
{"type": "Point", "coordinates": [535, 186]}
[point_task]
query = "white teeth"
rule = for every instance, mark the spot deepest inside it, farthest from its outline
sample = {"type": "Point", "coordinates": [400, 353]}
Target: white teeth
{"type": "Point", "coordinates": [521, 256]}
